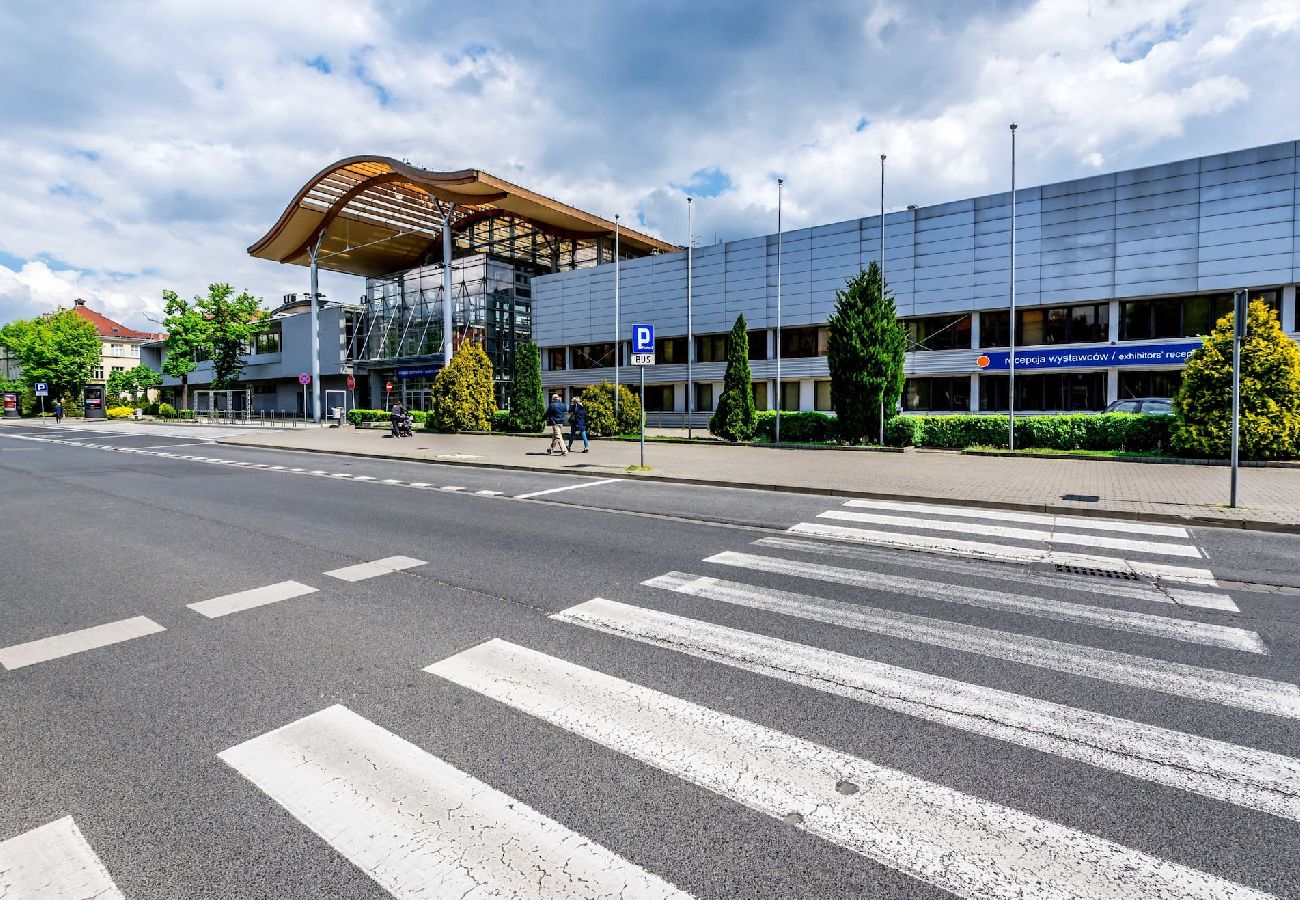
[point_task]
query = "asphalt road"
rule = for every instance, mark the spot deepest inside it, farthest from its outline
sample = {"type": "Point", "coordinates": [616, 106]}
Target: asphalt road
{"type": "Point", "coordinates": [872, 700]}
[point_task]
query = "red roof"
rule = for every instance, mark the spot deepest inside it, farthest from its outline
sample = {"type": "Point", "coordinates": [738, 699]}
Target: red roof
{"type": "Point", "coordinates": [107, 328]}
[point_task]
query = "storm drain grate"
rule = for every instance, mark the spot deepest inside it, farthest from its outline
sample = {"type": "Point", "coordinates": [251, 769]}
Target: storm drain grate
{"type": "Point", "coordinates": [1096, 573]}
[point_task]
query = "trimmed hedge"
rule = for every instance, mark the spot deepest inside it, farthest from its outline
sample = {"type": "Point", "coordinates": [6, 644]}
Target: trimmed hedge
{"type": "Point", "coordinates": [359, 416]}
{"type": "Point", "coordinates": [797, 427]}
{"type": "Point", "coordinates": [502, 420]}
{"type": "Point", "coordinates": [1108, 431]}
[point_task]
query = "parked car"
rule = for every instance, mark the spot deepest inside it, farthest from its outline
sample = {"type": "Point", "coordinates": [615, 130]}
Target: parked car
{"type": "Point", "coordinates": [1151, 406]}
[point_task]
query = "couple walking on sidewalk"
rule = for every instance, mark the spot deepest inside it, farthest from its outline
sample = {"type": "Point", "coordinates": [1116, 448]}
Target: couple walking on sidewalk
{"type": "Point", "coordinates": [556, 415]}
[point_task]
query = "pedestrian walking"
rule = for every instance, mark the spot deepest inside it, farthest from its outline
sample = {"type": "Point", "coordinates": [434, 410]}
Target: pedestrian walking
{"type": "Point", "coordinates": [578, 423]}
{"type": "Point", "coordinates": [556, 413]}
{"type": "Point", "coordinates": [395, 416]}
{"type": "Point", "coordinates": [58, 411]}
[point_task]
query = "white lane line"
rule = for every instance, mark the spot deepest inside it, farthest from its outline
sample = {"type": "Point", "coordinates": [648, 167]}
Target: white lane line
{"type": "Point", "coordinates": [1261, 695]}
{"type": "Point", "coordinates": [1059, 610]}
{"type": "Point", "coordinates": [979, 529]}
{"type": "Point", "coordinates": [962, 844]}
{"type": "Point", "coordinates": [340, 475]}
{"type": "Point", "coordinates": [233, 603]}
{"type": "Point", "coordinates": [363, 478]}
{"type": "Point", "coordinates": [567, 487]}
{"type": "Point", "coordinates": [420, 827]}
{"type": "Point", "coordinates": [420, 484]}
{"type": "Point", "coordinates": [174, 446]}
{"type": "Point", "coordinates": [451, 488]}
{"type": "Point", "coordinates": [1018, 574]}
{"type": "Point", "coordinates": [392, 481]}
{"type": "Point", "coordinates": [930, 544]}
{"type": "Point", "coordinates": [1253, 779]}
{"type": "Point", "coordinates": [60, 645]}
{"type": "Point", "coordinates": [1001, 515]}
{"type": "Point", "coordinates": [362, 571]}
{"type": "Point", "coordinates": [54, 862]}
{"type": "Point", "coordinates": [486, 493]}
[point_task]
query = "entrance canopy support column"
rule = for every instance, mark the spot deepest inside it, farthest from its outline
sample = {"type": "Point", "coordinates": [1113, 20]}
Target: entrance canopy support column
{"type": "Point", "coordinates": [315, 330]}
{"type": "Point", "coordinates": [447, 342]}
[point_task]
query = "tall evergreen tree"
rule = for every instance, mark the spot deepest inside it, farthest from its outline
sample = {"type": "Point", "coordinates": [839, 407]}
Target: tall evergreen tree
{"type": "Point", "coordinates": [735, 419]}
{"type": "Point", "coordinates": [1270, 391]}
{"type": "Point", "coordinates": [527, 405]}
{"type": "Point", "coordinates": [865, 355]}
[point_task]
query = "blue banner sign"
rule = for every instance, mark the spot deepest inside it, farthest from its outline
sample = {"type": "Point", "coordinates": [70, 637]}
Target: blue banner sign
{"type": "Point", "coordinates": [408, 372]}
{"type": "Point", "coordinates": [1167, 354]}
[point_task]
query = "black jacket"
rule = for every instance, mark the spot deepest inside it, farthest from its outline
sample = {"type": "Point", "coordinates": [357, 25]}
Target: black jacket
{"type": "Point", "coordinates": [578, 416]}
{"type": "Point", "coordinates": [555, 413]}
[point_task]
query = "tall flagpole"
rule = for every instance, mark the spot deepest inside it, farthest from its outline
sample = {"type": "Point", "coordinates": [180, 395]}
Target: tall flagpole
{"type": "Point", "coordinates": [618, 328]}
{"type": "Point", "coordinates": [882, 283]}
{"type": "Point", "coordinates": [690, 330]}
{"type": "Point", "coordinates": [780, 182]}
{"type": "Point", "coordinates": [1011, 357]}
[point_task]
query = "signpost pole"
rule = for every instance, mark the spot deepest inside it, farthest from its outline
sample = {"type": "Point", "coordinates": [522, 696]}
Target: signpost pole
{"type": "Point", "coordinates": [780, 182]}
{"type": "Point", "coordinates": [1239, 310]}
{"type": "Point", "coordinates": [1011, 357]}
{"type": "Point", "coordinates": [882, 282]}
{"type": "Point", "coordinates": [643, 417]}
{"type": "Point", "coordinates": [618, 328]}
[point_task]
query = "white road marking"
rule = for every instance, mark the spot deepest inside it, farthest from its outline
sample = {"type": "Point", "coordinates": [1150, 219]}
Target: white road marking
{"type": "Point", "coordinates": [174, 446]}
{"type": "Point", "coordinates": [60, 645]}
{"type": "Point", "coordinates": [1005, 515]}
{"type": "Point", "coordinates": [420, 827]}
{"type": "Point", "coordinates": [959, 843]}
{"type": "Point", "coordinates": [362, 571]}
{"type": "Point", "coordinates": [420, 484]}
{"type": "Point", "coordinates": [1019, 534]}
{"type": "Point", "coordinates": [363, 478]}
{"type": "Point", "coordinates": [567, 487]}
{"type": "Point", "coordinates": [54, 862]}
{"type": "Point", "coordinates": [1275, 698]}
{"type": "Point", "coordinates": [392, 481]}
{"type": "Point", "coordinates": [930, 544]}
{"type": "Point", "coordinates": [451, 488]}
{"type": "Point", "coordinates": [486, 493]}
{"type": "Point", "coordinates": [1062, 611]}
{"type": "Point", "coordinates": [1018, 574]}
{"type": "Point", "coordinates": [233, 603]}
{"type": "Point", "coordinates": [1253, 779]}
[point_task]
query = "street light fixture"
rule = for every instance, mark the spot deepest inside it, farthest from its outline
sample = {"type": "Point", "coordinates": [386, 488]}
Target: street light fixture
{"type": "Point", "coordinates": [780, 182]}
{"type": "Point", "coordinates": [1011, 356]}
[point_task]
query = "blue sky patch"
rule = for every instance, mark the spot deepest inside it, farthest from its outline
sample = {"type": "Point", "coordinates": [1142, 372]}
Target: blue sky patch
{"type": "Point", "coordinates": [862, 124]}
{"type": "Point", "coordinates": [708, 182]}
{"type": "Point", "coordinates": [320, 64]}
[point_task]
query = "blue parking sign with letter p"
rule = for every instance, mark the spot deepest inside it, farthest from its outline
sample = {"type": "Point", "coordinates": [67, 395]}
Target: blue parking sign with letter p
{"type": "Point", "coordinates": [643, 339]}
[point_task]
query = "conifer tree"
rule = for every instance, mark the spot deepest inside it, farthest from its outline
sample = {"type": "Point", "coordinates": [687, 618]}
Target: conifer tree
{"type": "Point", "coordinates": [527, 404]}
{"type": "Point", "coordinates": [1270, 392]}
{"type": "Point", "coordinates": [865, 355]}
{"type": "Point", "coordinates": [735, 419]}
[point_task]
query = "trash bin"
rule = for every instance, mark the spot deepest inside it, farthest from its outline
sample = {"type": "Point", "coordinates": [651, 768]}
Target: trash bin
{"type": "Point", "coordinates": [336, 412]}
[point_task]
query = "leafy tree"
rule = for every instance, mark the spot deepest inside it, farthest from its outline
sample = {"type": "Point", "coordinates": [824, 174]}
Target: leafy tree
{"type": "Point", "coordinates": [1270, 391]}
{"type": "Point", "coordinates": [527, 404]}
{"type": "Point", "coordinates": [186, 337]}
{"type": "Point", "coordinates": [865, 355]}
{"type": "Point", "coordinates": [133, 382]}
{"type": "Point", "coordinates": [230, 324]}
{"type": "Point", "coordinates": [59, 349]}
{"type": "Point", "coordinates": [462, 392]}
{"type": "Point", "coordinates": [735, 419]}
{"type": "Point", "coordinates": [599, 400]}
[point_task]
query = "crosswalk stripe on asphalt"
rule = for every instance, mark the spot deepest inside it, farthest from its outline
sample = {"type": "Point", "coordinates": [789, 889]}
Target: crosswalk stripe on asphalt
{"type": "Point", "coordinates": [1247, 692]}
{"type": "Point", "coordinates": [1183, 630]}
{"type": "Point", "coordinates": [422, 828]}
{"type": "Point", "coordinates": [1242, 776]}
{"type": "Point", "coordinates": [957, 842]}
{"type": "Point", "coordinates": [60, 645]}
{"type": "Point", "coordinates": [250, 599]}
{"type": "Point", "coordinates": [54, 862]}
{"type": "Point", "coordinates": [362, 571]}
{"type": "Point", "coordinates": [1006, 515]}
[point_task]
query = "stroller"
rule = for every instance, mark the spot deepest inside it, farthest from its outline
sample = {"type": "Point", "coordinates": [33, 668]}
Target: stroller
{"type": "Point", "coordinates": [402, 425]}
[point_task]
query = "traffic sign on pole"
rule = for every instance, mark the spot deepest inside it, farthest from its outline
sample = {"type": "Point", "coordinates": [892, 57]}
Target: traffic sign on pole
{"type": "Point", "coordinates": [42, 389]}
{"type": "Point", "coordinates": [304, 379]}
{"type": "Point", "coordinates": [352, 382]}
{"type": "Point", "coordinates": [643, 345]}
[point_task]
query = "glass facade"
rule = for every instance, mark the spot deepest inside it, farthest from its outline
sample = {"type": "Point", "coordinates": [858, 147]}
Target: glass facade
{"type": "Point", "coordinates": [1180, 317]}
{"type": "Point", "coordinates": [799, 343]}
{"type": "Point", "coordinates": [1149, 384]}
{"type": "Point", "coordinates": [946, 394]}
{"type": "Point", "coordinates": [1048, 392]}
{"type": "Point", "coordinates": [1087, 323]}
{"type": "Point", "coordinates": [938, 332]}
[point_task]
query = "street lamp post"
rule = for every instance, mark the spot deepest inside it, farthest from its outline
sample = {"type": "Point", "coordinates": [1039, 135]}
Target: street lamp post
{"type": "Point", "coordinates": [882, 283]}
{"type": "Point", "coordinates": [690, 330]}
{"type": "Point", "coordinates": [780, 182]}
{"type": "Point", "coordinates": [1011, 356]}
{"type": "Point", "coordinates": [617, 325]}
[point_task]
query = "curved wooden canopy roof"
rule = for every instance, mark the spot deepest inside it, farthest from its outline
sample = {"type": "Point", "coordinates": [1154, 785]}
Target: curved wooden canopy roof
{"type": "Point", "coordinates": [380, 216]}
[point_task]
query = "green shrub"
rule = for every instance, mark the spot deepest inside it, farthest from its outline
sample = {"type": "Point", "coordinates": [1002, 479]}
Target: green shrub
{"type": "Point", "coordinates": [527, 406]}
{"type": "Point", "coordinates": [463, 397]}
{"type": "Point", "coordinates": [905, 431]}
{"type": "Point", "coordinates": [118, 412]}
{"type": "Point", "coordinates": [166, 411]}
{"type": "Point", "coordinates": [501, 420]}
{"type": "Point", "coordinates": [360, 416]}
{"type": "Point", "coordinates": [797, 427]}
{"type": "Point", "coordinates": [151, 409]}
{"type": "Point", "coordinates": [1108, 431]}
{"type": "Point", "coordinates": [186, 414]}
{"type": "Point", "coordinates": [599, 400]}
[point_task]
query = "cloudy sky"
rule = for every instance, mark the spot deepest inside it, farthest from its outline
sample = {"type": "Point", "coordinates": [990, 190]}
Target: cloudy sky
{"type": "Point", "coordinates": [147, 144]}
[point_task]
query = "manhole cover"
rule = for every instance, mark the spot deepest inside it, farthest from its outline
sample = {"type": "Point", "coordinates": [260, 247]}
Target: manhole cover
{"type": "Point", "coordinates": [1095, 573]}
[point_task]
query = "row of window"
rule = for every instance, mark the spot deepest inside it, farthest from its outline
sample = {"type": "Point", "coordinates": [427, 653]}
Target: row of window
{"type": "Point", "coordinates": [132, 350]}
{"type": "Point", "coordinates": [796, 343]}
{"type": "Point", "coordinates": [1044, 392]}
{"type": "Point", "coordinates": [97, 372]}
{"type": "Point", "coordinates": [660, 397]}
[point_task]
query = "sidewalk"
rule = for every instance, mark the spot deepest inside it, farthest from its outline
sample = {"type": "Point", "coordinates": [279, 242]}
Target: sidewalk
{"type": "Point", "coordinates": [1269, 498]}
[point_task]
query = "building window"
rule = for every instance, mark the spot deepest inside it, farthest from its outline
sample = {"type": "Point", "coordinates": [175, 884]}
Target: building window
{"type": "Point", "coordinates": [97, 373]}
{"type": "Point", "coordinates": [704, 397]}
{"type": "Point", "coordinates": [1177, 317]}
{"type": "Point", "coordinates": [937, 394]}
{"type": "Point", "coordinates": [1149, 384]}
{"type": "Point", "coordinates": [822, 396]}
{"type": "Point", "coordinates": [114, 349]}
{"type": "Point", "coordinates": [135, 351]}
{"type": "Point", "coordinates": [555, 359]}
{"type": "Point", "coordinates": [759, 389]}
{"type": "Point", "coordinates": [799, 343]}
{"type": "Point", "coordinates": [1054, 392]}
{"type": "Point", "coordinates": [711, 348]}
{"type": "Point", "coordinates": [938, 333]}
{"type": "Point", "coordinates": [267, 341]}
{"type": "Point", "coordinates": [119, 368]}
{"type": "Point", "coordinates": [659, 398]}
{"type": "Point", "coordinates": [1084, 324]}
{"type": "Point", "coordinates": [758, 344]}
{"type": "Point", "coordinates": [593, 356]}
{"type": "Point", "coordinates": [790, 396]}
{"type": "Point", "coordinates": [670, 351]}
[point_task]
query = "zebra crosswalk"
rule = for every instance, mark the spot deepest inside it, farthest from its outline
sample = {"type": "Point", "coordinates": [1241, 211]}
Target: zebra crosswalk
{"type": "Point", "coordinates": [765, 616]}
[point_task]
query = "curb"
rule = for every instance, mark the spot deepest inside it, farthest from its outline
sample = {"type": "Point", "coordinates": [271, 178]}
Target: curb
{"type": "Point", "coordinates": [1126, 515]}
{"type": "Point", "coordinates": [1159, 460]}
